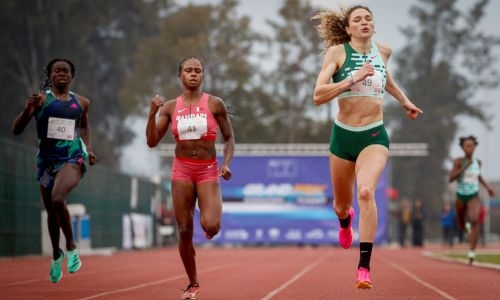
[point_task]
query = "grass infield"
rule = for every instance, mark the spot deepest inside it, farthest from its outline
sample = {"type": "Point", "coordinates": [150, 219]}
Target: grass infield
{"type": "Point", "coordinates": [490, 258]}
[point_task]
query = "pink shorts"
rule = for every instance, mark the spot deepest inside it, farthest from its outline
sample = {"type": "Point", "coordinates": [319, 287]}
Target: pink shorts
{"type": "Point", "coordinates": [194, 170]}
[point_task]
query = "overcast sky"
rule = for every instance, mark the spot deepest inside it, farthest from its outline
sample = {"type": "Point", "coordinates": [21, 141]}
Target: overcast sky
{"type": "Point", "coordinates": [389, 16]}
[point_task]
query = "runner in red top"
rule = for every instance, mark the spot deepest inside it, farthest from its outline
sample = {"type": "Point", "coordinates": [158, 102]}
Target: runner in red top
{"type": "Point", "coordinates": [195, 117]}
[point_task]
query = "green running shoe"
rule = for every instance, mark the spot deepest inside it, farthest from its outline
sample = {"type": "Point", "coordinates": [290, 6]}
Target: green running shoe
{"type": "Point", "coordinates": [55, 268]}
{"type": "Point", "coordinates": [74, 262]}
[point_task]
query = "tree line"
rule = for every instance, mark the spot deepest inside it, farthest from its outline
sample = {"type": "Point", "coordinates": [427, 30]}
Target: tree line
{"type": "Point", "coordinates": [127, 51]}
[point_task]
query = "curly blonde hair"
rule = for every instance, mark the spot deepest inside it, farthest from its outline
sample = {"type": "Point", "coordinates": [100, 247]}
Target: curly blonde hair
{"type": "Point", "coordinates": [332, 24]}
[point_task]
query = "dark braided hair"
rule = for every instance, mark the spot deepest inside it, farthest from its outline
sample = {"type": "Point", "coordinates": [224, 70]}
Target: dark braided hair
{"type": "Point", "coordinates": [465, 138]}
{"type": "Point", "coordinates": [45, 82]}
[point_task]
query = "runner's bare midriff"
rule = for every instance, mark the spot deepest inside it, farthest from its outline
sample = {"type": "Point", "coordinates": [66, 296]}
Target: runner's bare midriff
{"type": "Point", "coordinates": [202, 149]}
{"type": "Point", "coordinates": [360, 111]}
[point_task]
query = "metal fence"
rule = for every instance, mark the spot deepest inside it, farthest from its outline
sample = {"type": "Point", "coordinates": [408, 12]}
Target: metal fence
{"type": "Point", "coordinates": [107, 196]}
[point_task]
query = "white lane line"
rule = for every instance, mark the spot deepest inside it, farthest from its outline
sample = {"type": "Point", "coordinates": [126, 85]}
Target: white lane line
{"type": "Point", "coordinates": [422, 282]}
{"type": "Point", "coordinates": [24, 282]}
{"type": "Point", "coordinates": [296, 277]}
{"type": "Point", "coordinates": [139, 286]}
{"type": "Point", "coordinates": [75, 275]}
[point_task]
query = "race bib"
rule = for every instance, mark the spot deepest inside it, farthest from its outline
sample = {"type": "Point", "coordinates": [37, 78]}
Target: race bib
{"type": "Point", "coordinates": [471, 177]}
{"type": "Point", "coordinates": [61, 129]}
{"type": "Point", "coordinates": [192, 128]}
{"type": "Point", "coordinates": [370, 85]}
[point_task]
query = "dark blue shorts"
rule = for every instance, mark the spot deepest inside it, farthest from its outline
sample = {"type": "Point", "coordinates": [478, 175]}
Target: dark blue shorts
{"type": "Point", "coordinates": [46, 169]}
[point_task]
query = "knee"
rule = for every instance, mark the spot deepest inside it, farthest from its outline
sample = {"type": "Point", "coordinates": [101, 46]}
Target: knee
{"type": "Point", "coordinates": [59, 207]}
{"type": "Point", "coordinates": [210, 228]}
{"type": "Point", "coordinates": [365, 194]}
{"type": "Point", "coordinates": [211, 223]}
{"type": "Point", "coordinates": [52, 217]}
{"type": "Point", "coordinates": [50, 209]}
{"type": "Point", "coordinates": [185, 232]}
{"type": "Point", "coordinates": [341, 209]}
{"type": "Point", "coordinates": [58, 200]}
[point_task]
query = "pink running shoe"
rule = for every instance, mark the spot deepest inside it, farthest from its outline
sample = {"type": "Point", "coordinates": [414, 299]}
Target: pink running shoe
{"type": "Point", "coordinates": [363, 281]}
{"type": "Point", "coordinates": [346, 234]}
{"type": "Point", "coordinates": [191, 292]}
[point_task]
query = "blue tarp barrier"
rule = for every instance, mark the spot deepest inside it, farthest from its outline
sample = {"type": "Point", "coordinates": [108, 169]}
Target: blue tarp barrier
{"type": "Point", "coordinates": [283, 200]}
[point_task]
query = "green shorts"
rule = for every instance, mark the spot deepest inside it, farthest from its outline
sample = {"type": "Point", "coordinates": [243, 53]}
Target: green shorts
{"type": "Point", "coordinates": [347, 142]}
{"type": "Point", "coordinates": [467, 198]}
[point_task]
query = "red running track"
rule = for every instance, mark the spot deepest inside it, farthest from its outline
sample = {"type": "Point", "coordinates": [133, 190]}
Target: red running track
{"type": "Point", "coordinates": [252, 273]}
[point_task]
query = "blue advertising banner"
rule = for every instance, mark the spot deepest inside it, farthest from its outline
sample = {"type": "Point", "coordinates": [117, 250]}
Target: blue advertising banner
{"type": "Point", "coordinates": [283, 200]}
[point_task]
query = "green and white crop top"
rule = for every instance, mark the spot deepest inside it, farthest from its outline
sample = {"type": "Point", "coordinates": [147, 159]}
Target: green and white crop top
{"type": "Point", "coordinates": [468, 181]}
{"type": "Point", "coordinates": [371, 86]}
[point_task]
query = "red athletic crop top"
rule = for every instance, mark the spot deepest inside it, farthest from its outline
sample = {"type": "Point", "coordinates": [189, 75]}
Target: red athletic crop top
{"type": "Point", "coordinates": [193, 122]}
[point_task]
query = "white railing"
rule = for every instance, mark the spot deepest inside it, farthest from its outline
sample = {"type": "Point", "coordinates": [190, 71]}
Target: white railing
{"type": "Point", "coordinates": [396, 149]}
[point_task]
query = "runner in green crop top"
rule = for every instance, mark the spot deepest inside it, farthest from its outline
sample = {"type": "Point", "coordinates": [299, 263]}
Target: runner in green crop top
{"type": "Point", "coordinates": [359, 142]}
{"type": "Point", "coordinates": [467, 172]}
{"type": "Point", "coordinates": [371, 86]}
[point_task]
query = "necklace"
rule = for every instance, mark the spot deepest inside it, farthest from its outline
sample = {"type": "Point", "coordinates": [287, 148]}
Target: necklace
{"type": "Point", "coordinates": [61, 97]}
{"type": "Point", "coordinates": [365, 56]}
{"type": "Point", "coordinates": [363, 53]}
{"type": "Point", "coordinates": [65, 97]}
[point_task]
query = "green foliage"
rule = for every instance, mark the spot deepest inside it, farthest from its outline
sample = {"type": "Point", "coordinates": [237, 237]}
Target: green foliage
{"type": "Point", "coordinates": [127, 51]}
{"type": "Point", "coordinates": [292, 81]}
{"type": "Point", "coordinates": [446, 61]}
{"type": "Point", "coordinates": [94, 35]}
{"type": "Point", "coordinates": [223, 41]}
